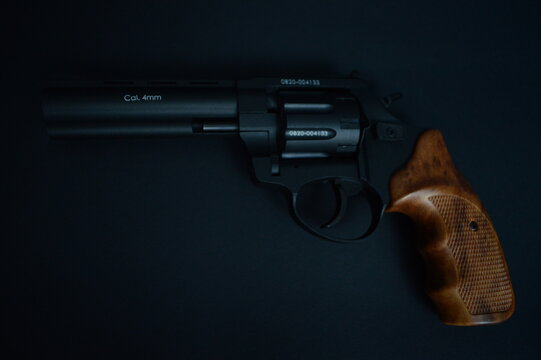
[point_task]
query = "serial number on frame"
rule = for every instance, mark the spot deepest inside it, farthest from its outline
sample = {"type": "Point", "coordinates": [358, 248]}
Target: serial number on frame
{"type": "Point", "coordinates": [130, 98]}
{"type": "Point", "coordinates": [301, 82]}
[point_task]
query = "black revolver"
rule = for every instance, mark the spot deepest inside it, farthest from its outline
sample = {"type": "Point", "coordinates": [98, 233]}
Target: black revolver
{"type": "Point", "coordinates": [338, 152]}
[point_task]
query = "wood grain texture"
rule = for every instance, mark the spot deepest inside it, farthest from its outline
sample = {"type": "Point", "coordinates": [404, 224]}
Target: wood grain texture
{"type": "Point", "coordinates": [467, 275]}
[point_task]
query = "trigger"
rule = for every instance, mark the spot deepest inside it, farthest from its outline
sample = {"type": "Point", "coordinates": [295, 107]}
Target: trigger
{"type": "Point", "coordinates": [342, 204]}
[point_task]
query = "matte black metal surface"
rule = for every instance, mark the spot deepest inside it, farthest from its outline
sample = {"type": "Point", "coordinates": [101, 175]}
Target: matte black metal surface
{"type": "Point", "coordinates": [138, 111]}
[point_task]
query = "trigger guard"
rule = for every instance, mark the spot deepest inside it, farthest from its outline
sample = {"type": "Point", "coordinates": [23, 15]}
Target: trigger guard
{"type": "Point", "coordinates": [373, 198]}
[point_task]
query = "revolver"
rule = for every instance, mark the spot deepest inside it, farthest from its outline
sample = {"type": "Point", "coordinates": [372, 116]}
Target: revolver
{"type": "Point", "coordinates": [338, 152]}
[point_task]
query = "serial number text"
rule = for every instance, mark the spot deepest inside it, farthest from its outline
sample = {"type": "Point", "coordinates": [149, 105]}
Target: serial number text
{"type": "Point", "coordinates": [302, 82]}
{"type": "Point", "coordinates": [308, 133]}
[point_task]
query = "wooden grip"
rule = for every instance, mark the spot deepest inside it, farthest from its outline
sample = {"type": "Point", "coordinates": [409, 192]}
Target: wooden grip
{"type": "Point", "coordinates": [467, 276]}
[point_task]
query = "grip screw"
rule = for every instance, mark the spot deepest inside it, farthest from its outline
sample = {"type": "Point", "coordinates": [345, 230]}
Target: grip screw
{"type": "Point", "coordinates": [474, 226]}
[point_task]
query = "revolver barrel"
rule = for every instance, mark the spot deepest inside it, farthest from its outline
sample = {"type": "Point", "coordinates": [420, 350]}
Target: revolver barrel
{"type": "Point", "coordinates": [141, 109]}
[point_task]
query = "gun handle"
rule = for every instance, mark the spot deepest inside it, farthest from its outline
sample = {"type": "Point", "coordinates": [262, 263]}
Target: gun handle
{"type": "Point", "coordinates": [467, 276]}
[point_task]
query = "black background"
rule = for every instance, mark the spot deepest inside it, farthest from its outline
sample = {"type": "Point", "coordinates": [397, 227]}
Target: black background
{"type": "Point", "coordinates": [165, 248]}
